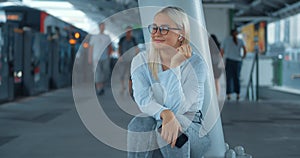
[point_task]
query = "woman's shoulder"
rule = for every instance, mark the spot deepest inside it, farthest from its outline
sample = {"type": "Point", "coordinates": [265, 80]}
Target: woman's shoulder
{"type": "Point", "coordinates": [139, 59]}
{"type": "Point", "coordinates": [198, 62]}
{"type": "Point", "coordinates": [197, 57]}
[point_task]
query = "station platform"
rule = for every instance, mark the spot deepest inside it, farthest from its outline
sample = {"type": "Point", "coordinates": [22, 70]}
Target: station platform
{"type": "Point", "coordinates": [48, 126]}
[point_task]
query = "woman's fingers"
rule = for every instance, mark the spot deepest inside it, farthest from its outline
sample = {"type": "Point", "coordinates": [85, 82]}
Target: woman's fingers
{"type": "Point", "coordinates": [165, 134]}
{"type": "Point", "coordinates": [170, 138]}
{"type": "Point", "coordinates": [180, 129]}
{"type": "Point", "coordinates": [185, 50]}
{"type": "Point", "coordinates": [162, 134]}
{"type": "Point", "coordinates": [181, 50]}
{"type": "Point", "coordinates": [174, 139]}
{"type": "Point", "coordinates": [170, 130]}
{"type": "Point", "coordinates": [170, 133]}
{"type": "Point", "coordinates": [183, 53]}
{"type": "Point", "coordinates": [167, 137]}
{"type": "Point", "coordinates": [189, 51]}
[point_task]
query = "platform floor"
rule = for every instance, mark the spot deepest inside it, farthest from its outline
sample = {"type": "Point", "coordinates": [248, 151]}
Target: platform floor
{"type": "Point", "coordinates": [48, 126]}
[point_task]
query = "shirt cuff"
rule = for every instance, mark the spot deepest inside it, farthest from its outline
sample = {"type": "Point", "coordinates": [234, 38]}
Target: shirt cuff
{"type": "Point", "coordinates": [157, 115]}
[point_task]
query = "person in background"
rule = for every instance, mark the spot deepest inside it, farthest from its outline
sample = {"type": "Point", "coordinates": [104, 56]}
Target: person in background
{"type": "Point", "coordinates": [128, 45]}
{"type": "Point", "coordinates": [99, 51]}
{"type": "Point", "coordinates": [231, 48]}
{"type": "Point", "coordinates": [56, 34]}
{"type": "Point", "coordinates": [216, 58]}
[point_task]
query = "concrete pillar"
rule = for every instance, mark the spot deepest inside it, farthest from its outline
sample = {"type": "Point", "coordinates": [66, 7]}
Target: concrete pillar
{"type": "Point", "coordinates": [199, 38]}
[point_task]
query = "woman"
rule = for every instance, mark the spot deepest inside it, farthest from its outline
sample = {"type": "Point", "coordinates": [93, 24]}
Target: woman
{"type": "Point", "coordinates": [231, 48]}
{"type": "Point", "coordinates": [168, 85]}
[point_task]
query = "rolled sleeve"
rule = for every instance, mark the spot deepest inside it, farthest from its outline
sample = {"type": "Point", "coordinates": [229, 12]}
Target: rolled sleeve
{"type": "Point", "coordinates": [157, 115]}
{"type": "Point", "coordinates": [143, 93]}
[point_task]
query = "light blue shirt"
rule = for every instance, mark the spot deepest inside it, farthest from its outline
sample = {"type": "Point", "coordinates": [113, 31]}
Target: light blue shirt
{"type": "Point", "coordinates": [100, 43]}
{"type": "Point", "coordinates": [179, 89]}
{"type": "Point", "coordinates": [231, 50]}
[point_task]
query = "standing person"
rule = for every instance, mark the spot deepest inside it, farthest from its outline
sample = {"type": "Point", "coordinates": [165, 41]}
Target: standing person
{"type": "Point", "coordinates": [100, 48]}
{"type": "Point", "coordinates": [57, 33]}
{"type": "Point", "coordinates": [231, 48]}
{"type": "Point", "coordinates": [216, 58]}
{"type": "Point", "coordinates": [168, 86]}
{"type": "Point", "coordinates": [127, 43]}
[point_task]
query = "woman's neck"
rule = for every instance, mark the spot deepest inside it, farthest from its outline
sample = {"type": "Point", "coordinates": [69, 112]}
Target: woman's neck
{"type": "Point", "coordinates": [166, 56]}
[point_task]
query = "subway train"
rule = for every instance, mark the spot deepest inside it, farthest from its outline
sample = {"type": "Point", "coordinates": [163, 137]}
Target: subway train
{"type": "Point", "coordinates": [37, 52]}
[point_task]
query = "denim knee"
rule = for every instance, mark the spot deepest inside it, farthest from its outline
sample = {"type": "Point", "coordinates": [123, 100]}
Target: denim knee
{"type": "Point", "coordinates": [142, 124]}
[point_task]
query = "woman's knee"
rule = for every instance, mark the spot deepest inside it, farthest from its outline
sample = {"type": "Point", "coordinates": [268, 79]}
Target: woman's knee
{"type": "Point", "coordinates": [142, 124]}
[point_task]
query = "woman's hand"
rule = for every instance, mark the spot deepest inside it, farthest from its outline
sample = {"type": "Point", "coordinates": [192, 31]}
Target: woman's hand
{"type": "Point", "coordinates": [183, 52]}
{"type": "Point", "coordinates": [170, 127]}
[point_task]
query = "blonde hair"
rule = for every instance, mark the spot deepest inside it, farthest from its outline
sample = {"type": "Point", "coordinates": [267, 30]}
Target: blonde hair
{"type": "Point", "coordinates": [179, 17]}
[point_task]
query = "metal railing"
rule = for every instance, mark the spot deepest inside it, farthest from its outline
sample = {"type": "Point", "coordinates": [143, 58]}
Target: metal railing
{"type": "Point", "coordinates": [253, 95]}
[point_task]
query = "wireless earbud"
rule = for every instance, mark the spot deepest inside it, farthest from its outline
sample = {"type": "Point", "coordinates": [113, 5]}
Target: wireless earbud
{"type": "Point", "coordinates": [180, 38]}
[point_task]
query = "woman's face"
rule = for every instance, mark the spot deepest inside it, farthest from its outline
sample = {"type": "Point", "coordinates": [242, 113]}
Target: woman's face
{"type": "Point", "coordinates": [171, 38]}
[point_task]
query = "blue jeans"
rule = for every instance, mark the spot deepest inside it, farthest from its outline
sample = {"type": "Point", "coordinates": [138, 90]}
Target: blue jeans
{"type": "Point", "coordinates": [151, 144]}
{"type": "Point", "coordinates": [233, 69]}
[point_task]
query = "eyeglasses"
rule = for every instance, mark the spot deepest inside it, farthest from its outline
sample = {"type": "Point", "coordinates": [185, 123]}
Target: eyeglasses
{"type": "Point", "coordinates": [164, 29]}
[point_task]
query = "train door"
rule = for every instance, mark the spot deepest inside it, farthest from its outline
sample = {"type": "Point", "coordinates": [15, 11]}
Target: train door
{"type": "Point", "coordinates": [13, 46]}
{"type": "Point", "coordinates": [35, 63]}
{"type": "Point", "coordinates": [17, 44]}
{"type": "Point", "coordinates": [61, 64]}
{"type": "Point", "coordinates": [5, 77]}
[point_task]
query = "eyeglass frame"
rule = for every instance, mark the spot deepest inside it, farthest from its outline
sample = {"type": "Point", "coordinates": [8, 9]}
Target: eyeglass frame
{"type": "Point", "coordinates": [160, 28]}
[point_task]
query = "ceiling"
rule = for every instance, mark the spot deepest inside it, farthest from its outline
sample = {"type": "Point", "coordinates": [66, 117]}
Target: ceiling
{"type": "Point", "coordinates": [112, 12]}
{"type": "Point", "coordinates": [99, 9]}
{"type": "Point", "coordinates": [243, 11]}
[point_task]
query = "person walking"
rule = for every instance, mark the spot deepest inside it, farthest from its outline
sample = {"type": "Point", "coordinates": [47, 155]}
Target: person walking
{"type": "Point", "coordinates": [100, 49]}
{"type": "Point", "coordinates": [231, 48]}
{"type": "Point", "coordinates": [128, 45]}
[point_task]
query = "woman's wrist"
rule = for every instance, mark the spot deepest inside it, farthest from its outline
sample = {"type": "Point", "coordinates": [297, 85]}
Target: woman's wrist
{"type": "Point", "coordinates": [175, 63]}
{"type": "Point", "coordinates": [166, 114]}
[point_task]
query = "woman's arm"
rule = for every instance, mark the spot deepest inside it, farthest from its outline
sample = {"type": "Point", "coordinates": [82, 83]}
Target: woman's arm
{"type": "Point", "coordinates": [142, 91]}
{"type": "Point", "coordinates": [182, 95]}
{"type": "Point", "coordinates": [170, 127]}
{"type": "Point", "coordinates": [176, 93]}
{"type": "Point", "coordinates": [143, 96]}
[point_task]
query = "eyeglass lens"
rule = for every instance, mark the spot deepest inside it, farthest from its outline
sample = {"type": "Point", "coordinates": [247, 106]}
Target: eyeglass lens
{"type": "Point", "coordinates": [163, 29]}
